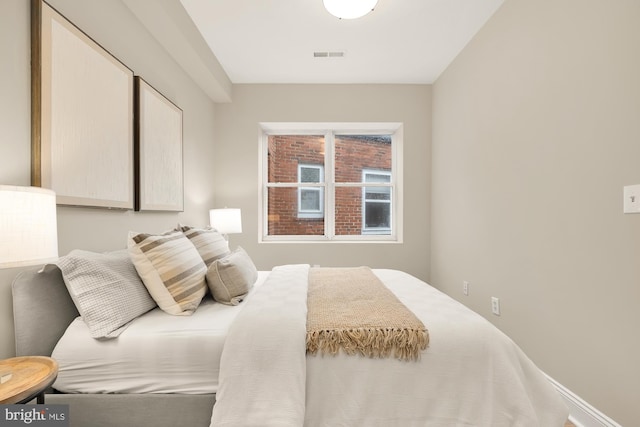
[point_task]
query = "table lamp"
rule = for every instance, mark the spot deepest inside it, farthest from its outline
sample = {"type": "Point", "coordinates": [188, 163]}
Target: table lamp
{"type": "Point", "coordinates": [226, 221]}
{"type": "Point", "coordinates": [28, 227]}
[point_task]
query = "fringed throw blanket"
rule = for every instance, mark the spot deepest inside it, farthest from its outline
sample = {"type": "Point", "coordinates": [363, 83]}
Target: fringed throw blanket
{"type": "Point", "coordinates": [352, 310]}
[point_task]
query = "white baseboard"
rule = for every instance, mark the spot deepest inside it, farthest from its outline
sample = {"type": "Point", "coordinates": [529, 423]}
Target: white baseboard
{"type": "Point", "coordinates": [581, 413]}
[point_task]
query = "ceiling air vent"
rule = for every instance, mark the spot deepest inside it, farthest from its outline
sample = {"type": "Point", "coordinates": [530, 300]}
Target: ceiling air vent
{"type": "Point", "coordinates": [328, 54]}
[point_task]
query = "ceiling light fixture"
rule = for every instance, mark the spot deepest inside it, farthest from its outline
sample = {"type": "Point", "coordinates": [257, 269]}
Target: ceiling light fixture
{"type": "Point", "coordinates": [349, 9]}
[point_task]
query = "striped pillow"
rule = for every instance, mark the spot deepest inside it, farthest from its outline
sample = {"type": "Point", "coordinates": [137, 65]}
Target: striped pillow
{"type": "Point", "coordinates": [208, 241]}
{"type": "Point", "coordinates": [170, 268]}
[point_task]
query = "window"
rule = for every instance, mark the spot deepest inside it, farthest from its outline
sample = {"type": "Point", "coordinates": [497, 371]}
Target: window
{"type": "Point", "coordinates": [316, 182]}
{"type": "Point", "coordinates": [310, 199]}
{"type": "Point", "coordinates": [376, 203]}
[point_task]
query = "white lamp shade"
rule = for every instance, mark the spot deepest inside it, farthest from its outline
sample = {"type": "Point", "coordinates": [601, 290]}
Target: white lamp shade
{"type": "Point", "coordinates": [226, 221]}
{"type": "Point", "coordinates": [28, 227]}
{"type": "Point", "coordinates": [349, 9]}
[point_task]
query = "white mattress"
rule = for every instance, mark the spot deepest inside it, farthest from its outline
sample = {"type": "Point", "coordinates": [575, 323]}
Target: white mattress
{"type": "Point", "coordinates": [157, 353]}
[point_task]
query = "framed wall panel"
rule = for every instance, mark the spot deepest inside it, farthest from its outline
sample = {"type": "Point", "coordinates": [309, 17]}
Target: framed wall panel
{"type": "Point", "coordinates": [82, 116]}
{"type": "Point", "coordinates": [159, 185]}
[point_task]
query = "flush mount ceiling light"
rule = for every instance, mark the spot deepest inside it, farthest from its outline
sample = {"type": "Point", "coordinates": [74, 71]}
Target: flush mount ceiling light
{"type": "Point", "coordinates": [349, 9]}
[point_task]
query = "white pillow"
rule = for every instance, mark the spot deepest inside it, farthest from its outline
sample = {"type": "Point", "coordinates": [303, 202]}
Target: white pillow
{"type": "Point", "coordinates": [171, 268]}
{"type": "Point", "coordinates": [230, 278]}
{"type": "Point", "coordinates": [106, 290]}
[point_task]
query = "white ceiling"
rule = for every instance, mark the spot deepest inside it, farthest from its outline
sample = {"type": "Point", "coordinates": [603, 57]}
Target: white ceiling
{"type": "Point", "coordinates": [273, 41]}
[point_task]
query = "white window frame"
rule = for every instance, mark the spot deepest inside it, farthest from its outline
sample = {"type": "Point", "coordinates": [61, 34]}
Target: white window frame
{"type": "Point", "coordinates": [365, 172]}
{"type": "Point", "coordinates": [307, 213]}
{"type": "Point", "coordinates": [394, 129]}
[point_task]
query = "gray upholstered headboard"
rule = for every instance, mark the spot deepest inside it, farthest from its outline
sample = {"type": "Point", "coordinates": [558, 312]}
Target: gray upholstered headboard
{"type": "Point", "coordinates": [42, 310]}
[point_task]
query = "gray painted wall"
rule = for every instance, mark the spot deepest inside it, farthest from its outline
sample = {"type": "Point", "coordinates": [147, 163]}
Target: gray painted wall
{"type": "Point", "coordinates": [535, 134]}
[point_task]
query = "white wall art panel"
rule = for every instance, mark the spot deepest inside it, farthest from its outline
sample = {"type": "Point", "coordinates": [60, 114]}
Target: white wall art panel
{"type": "Point", "coordinates": [159, 142]}
{"type": "Point", "coordinates": [86, 119]}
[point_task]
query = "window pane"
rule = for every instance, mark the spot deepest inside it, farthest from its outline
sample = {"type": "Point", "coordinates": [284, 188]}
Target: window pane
{"type": "Point", "coordinates": [355, 217]}
{"type": "Point", "coordinates": [377, 215]}
{"type": "Point", "coordinates": [310, 199]}
{"type": "Point", "coordinates": [376, 177]}
{"type": "Point", "coordinates": [286, 152]}
{"type": "Point", "coordinates": [348, 211]}
{"type": "Point", "coordinates": [377, 193]}
{"type": "Point", "coordinates": [355, 153]}
{"type": "Point", "coordinates": [309, 174]}
{"type": "Point", "coordinates": [283, 217]}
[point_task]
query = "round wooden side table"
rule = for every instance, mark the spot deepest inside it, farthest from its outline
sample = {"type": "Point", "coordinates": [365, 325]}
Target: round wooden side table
{"type": "Point", "coordinates": [30, 377]}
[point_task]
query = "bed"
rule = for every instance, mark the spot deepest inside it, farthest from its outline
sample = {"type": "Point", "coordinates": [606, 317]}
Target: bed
{"type": "Point", "coordinates": [470, 375]}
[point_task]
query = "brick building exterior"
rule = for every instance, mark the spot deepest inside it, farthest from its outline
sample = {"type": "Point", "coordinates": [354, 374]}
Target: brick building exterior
{"type": "Point", "coordinates": [292, 157]}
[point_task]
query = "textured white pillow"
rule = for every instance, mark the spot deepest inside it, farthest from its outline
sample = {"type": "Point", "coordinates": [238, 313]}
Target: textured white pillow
{"type": "Point", "coordinates": [211, 245]}
{"type": "Point", "coordinates": [106, 290]}
{"type": "Point", "coordinates": [230, 278]}
{"type": "Point", "coordinates": [171, 268]}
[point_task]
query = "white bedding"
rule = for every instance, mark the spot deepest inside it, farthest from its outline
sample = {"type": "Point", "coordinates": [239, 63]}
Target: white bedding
{"type": "Point", "coordinates": [262, 375]}
{"type": "Point", "coordinates": [157, 353]}
{"type": "Point", "coordinates": [470, 375]}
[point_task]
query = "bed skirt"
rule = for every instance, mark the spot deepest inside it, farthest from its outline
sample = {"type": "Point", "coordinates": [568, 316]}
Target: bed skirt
{"type": "Point", "coordinates": [136, 410]}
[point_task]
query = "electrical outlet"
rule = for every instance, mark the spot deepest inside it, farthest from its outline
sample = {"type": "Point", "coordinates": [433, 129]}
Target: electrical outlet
{"type": "Point", "coordinates": [495, 306]}
{"type": "Point", "coordinates": [465, 287]}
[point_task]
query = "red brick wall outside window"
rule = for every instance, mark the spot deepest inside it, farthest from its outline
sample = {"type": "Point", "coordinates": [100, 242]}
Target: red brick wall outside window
{"type": "Point", "coordinates": [353, 154]}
